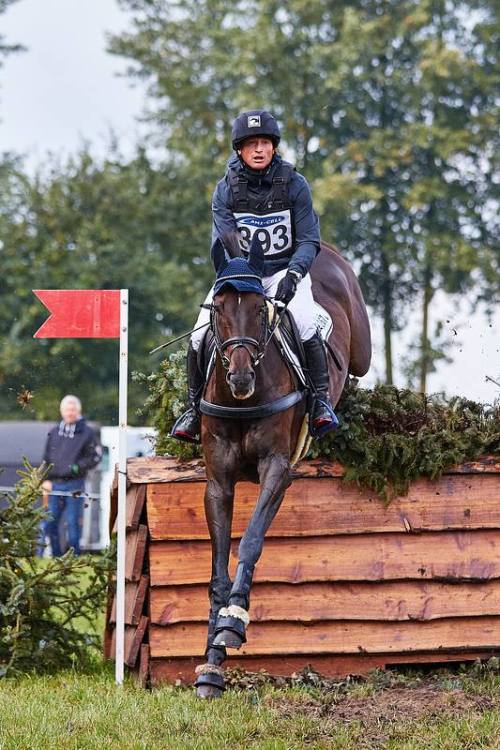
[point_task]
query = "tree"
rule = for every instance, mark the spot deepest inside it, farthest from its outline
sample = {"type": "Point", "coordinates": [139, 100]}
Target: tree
{"type": "Point", "coordinates": [383, 103]}
{"type": "Point", "coordinates": [44, 606]}
{"type": "Point", "coordinates": [87, 224]}
{"type": "Point", "coordinates": [413, 168]}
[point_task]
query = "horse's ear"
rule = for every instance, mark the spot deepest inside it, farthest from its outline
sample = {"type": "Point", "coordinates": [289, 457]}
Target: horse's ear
{"type": "Point", "coordinates": [231, 241]}
{"type": "Point", "coordinates": [218, 256]}
{"type": "Point", "coordinates": [256, 255]}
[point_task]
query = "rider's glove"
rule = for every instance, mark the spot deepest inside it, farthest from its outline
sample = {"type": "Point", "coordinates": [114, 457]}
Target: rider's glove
{"type": "Point", "coordinates": [287, 287]}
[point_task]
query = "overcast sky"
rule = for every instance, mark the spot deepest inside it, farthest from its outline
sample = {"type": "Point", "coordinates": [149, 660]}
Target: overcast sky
{"type": "Point", "coordinates": [65, 88]}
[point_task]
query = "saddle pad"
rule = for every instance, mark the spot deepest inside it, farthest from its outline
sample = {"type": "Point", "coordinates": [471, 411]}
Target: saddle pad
{"type": "Point", "coordinates": [324, 324]}
{"type": "Point", "coordinates": [323, 321]}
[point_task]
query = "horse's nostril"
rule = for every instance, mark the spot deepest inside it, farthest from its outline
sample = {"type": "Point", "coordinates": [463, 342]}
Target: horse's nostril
{"type": "Point", "coordinates": [240, 376]}
{"type": "Point", "coordinates": [240, 382]}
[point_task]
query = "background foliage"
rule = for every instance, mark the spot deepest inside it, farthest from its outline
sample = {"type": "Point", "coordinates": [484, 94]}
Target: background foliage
{"type": "Point", "coordinates": [387, 106]}
{"type": "Point", "coordinates": [48, 608]}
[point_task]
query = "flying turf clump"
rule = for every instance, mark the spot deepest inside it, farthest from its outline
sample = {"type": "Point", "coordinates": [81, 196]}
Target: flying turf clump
{"type": "Point", "coordinates": [386, 439]}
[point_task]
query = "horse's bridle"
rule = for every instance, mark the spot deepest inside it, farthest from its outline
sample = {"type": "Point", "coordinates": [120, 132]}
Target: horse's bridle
{"type": "Point", "coordinates": [256, 353]}
{"type": "Point", "coordinates": [256, 348]}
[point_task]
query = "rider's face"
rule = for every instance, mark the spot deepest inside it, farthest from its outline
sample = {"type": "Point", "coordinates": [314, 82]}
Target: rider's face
{"type": "Point", "coordinates": [257, 153]}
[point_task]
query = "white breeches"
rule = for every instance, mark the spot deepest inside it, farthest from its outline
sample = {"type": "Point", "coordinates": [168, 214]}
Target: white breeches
{"type": "Point", "coordinates": [301, 307]}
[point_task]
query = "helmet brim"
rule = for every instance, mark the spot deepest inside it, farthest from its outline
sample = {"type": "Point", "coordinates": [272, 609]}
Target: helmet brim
{"type": "Point", "coordinates": [273, 138]}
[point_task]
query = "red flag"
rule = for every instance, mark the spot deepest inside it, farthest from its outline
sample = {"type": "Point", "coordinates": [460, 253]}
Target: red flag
{"type": "Point", "coordinates": [80, 313]}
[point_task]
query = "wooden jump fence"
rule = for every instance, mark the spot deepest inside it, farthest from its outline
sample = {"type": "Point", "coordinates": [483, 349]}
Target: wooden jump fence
{"type": "Point", "coordinates": [345, 583]}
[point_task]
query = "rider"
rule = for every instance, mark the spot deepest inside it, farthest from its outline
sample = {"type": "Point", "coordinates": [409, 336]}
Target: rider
{"type": "Point", "coordinates": [262, 193]}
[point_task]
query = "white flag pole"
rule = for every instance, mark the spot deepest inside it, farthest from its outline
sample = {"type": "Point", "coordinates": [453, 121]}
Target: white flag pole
{"type": "Point", "coordinates": [122, 489]}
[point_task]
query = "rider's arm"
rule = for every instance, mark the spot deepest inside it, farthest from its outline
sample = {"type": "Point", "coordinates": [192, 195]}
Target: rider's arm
{"type": "Point", "coordinates": [223, 222]}
{"type": "Point", "coordinates": [307, 236]}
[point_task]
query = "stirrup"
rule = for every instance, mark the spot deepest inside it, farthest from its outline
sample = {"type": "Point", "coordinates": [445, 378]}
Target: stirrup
{"type": "Point", "coordinates": [179, 431]}
{"type": "Point", "coordinates": [319, 427]}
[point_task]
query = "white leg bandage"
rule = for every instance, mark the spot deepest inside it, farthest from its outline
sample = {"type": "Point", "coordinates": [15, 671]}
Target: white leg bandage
{"type": "Point", "coordinates": [234, 611]}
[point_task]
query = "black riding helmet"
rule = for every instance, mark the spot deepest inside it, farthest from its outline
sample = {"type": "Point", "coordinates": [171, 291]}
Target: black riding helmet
{"type": "Point", "coordinates": [255, 122]}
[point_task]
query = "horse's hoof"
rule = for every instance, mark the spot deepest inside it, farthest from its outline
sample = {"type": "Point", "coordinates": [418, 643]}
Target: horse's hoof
{"type": "Point", "coordinates": [210, 681]}
{"type": "Point", "coordinates": [229, 639]}
{"type": "Point", "coordinates": [208, 692]}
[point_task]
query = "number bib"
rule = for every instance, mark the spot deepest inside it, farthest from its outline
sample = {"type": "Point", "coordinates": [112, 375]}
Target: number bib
{"type": "Point", "coordinates": [274, 230]}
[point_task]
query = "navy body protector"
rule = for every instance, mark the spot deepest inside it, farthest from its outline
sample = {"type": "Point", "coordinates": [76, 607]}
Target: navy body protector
{"type": "Point", "coordinates": [276, 199]}
{"type": "Point", "coordinates": [261, 212]}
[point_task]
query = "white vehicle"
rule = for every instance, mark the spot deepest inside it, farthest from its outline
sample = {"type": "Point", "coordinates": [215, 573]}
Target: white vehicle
{"type": "Point", "coordinates": [140, 442]}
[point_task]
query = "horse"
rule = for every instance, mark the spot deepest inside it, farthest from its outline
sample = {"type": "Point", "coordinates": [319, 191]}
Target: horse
{"type": "Point", "coordinates": [252, 414]}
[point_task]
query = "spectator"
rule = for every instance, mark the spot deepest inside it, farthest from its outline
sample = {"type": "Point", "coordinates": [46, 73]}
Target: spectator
{"type": "Point", "coordinates": [71, 451]}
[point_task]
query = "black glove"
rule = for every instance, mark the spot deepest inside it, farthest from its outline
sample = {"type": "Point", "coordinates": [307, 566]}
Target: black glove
{"type": "Point", "coordinates": [287, 287]}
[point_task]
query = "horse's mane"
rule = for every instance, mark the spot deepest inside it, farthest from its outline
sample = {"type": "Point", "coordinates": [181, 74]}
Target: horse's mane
{"type": "Point", "coordinates": [332, 248]}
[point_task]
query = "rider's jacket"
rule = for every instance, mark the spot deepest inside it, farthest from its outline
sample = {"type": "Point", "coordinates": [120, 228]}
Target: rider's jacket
{"type": "Point", "coordinates": [277, 204]}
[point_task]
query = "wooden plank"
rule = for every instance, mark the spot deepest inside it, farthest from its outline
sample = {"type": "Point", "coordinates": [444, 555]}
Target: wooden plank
{"type": "Point", "coordinates": [181, 670]}
{"type": "Point", "coordinates": [141, 671]}
{"type": "Point", "coordinates": [135, 552]}
{"type": "Point", "coordinates": [164, 469]}
{"type": "Point", "coordinates": [340, 637]}
{"type": "Point", "coordinates": [168, 469]}
{"type": "Point", "coordinates": [485, 464]}
{"type": "Point", "coordinates": [330, 506]}
{"type": "Point", "coordinates": [113, 507]}
{"type": "Point", "coordinates": [134, 636]}
{"type": "Point", "coordinates": [133, 645]}
{"type": "Point", "coordinates": [136, 497]}
{"type": "Point", "coordinates": [305, 602]}
{"type": "Point", "coordinates": [448, 555]}
{"type": "Point", "coordinates": [108, 630]}
{"type": "Point", "coordinates": [135, 594]}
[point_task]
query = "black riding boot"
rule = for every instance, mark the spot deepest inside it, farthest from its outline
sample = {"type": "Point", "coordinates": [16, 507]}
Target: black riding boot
{"type": "Point", "coordinates": [322, 418]}
{"type": "Point", "coordinates": [187, 427]}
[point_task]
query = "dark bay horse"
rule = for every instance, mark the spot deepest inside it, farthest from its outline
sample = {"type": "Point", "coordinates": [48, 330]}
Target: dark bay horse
{"type": "Point", "coordinates": [249, 372]}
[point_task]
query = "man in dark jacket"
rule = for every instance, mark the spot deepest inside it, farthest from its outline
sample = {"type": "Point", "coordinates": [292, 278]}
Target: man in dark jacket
{"type": "Point", "coordinates": [71, 451]}
{"type": "Point", "coordinates": [263, 195]}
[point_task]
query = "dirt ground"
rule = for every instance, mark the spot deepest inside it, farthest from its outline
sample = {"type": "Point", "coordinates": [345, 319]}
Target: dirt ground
{"type": "Point", "coordinates": [383, 700]}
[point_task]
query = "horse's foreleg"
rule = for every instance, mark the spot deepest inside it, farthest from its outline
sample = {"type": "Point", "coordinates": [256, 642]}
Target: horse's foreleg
{"type": "Point", "coordinates": [218, 510]}
{"type": "Point", "coordinates": [274, 475]}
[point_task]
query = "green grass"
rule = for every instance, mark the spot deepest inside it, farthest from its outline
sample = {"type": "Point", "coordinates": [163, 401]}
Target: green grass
{"type": "Point", "coordinates": [73, 711]}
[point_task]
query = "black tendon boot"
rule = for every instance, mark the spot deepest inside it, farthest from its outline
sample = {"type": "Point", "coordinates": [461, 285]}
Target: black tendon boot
{"type": "Point", "coordinates": [322, 418]}
{"type": "Point", "coordinates": [188, 426]}
{"type": "Point", "coordinates": [232, 622]}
